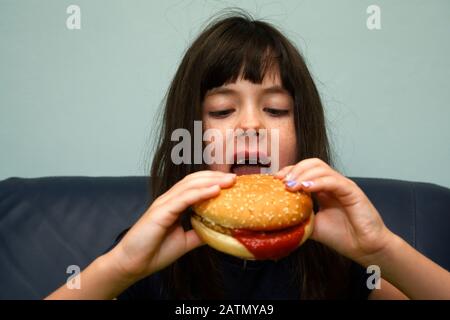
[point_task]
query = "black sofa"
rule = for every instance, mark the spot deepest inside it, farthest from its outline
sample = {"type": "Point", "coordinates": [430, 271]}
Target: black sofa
{"type": "Point", "coordinates": [47, 224]}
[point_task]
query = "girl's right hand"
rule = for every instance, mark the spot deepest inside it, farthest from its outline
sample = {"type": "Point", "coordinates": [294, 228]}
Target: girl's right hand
{"type": "Point", "coordinates": [158, 239]}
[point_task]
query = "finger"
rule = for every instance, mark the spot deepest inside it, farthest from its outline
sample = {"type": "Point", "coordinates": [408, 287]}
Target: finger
{"type": "Point", "coordinates": [200, 182]}
{"type": "Point", "coordinates": [318, 230]}
{"type": "Point", "coordinates": [282, 173]}
{"type": "Point", "coordinates": [343, 189]}
{"type": "Point", "coordinates": [302, 166]}
{"type": "Point", "coordinates": [196, 174]}
{"type": "Point", "coordinates": [192, 240]}
{"type": "Point", "coordinates": [295, 183]}
{"type": "Point", "coordinates": [203, 173]}
{"type": "Point", "coordinates": [167, 214]}
{"type": "Point", "coordinates": [197, 180]}
{"type": "Point", "coordinates": [177, 244]}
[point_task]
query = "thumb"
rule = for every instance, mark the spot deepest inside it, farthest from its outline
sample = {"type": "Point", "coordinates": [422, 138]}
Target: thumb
{"type": "Point", "coordinates": [325, 200]}
{"type": "Point", "coordinates": [192, 240]}
{"type": "Point", "coordinates": [323, 228]}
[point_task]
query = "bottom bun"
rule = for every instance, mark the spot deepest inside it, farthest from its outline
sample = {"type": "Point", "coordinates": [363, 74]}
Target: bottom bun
{"type": "Point", "coordinates": [230, 245]}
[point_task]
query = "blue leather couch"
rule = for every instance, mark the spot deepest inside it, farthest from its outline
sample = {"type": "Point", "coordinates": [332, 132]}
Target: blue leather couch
{"type": "Point", "coordinates": [47, 224]}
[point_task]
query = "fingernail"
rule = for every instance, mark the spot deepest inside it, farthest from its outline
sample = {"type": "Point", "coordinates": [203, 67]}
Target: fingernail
{"type": "Point", "coordinates": [307, 184]}
{"type": "Point", "coordinates": [291, 183]}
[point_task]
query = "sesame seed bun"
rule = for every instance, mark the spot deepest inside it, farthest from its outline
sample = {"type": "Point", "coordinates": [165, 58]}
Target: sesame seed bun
{"type": "Point", "coordinates": [257, 203]}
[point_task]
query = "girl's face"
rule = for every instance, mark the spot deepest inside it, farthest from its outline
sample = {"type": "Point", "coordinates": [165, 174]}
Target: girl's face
{"type": "Point", "coordinates": [245, 105]}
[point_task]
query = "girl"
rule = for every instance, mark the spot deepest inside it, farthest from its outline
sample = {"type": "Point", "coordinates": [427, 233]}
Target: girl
{"type": "Point", "coordinates": [242, 73]}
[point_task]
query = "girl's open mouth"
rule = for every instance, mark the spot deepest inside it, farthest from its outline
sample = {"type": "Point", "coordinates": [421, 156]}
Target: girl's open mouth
{"type": "Point", "coordinates": [249, 164]}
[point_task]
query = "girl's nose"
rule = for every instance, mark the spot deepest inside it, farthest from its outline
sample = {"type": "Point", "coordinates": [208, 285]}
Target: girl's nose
{"type": "Point", "coordinates": [249, 118]}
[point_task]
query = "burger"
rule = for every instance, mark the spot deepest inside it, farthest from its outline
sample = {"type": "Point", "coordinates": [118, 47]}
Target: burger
{"type": "Point", "coordinates": [255, 219]}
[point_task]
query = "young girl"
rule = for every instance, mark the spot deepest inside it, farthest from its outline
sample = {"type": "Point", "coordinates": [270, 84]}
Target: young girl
{"type": "Point", "coordinates": [242, 73]}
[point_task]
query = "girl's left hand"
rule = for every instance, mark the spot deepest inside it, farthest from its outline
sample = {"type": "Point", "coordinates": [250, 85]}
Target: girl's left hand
{"type": "Point", "coordinates": [346, 221]}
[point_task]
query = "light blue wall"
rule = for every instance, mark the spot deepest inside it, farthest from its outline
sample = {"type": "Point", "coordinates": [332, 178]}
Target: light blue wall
{"type": "Point", "coordinates": [82, 102]}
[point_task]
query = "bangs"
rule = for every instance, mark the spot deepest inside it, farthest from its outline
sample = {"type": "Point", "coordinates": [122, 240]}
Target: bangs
{"type": "Point", "coordinates": [245, 50]}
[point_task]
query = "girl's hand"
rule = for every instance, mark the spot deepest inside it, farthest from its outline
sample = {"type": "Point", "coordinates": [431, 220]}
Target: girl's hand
{"type": "Point", "coordinates": [157, 239]}
{"type": "Point", "coordinates": [347, 221]}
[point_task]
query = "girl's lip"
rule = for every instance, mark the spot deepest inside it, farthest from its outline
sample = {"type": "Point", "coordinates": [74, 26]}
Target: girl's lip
{"type": "Point", "coordinates": [246, 169]}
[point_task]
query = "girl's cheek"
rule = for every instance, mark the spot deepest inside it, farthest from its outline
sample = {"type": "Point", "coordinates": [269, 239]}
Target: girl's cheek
{"type": "Point", "coordinates": [287, 145]}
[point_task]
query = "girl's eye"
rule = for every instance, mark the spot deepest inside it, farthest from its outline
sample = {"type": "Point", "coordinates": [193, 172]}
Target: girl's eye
{"type": "Point", "coordinates": [276, 112]}
{"type": "Point", "coordinates": [221, 113]}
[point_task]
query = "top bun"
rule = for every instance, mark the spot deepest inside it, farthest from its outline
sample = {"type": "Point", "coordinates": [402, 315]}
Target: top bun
{"type": "Point", "coordinates": [257, 202]}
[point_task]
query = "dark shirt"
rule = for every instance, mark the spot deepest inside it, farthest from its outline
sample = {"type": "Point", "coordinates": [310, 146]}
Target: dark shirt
{"type": "Point", "coordinates": [249, 280]}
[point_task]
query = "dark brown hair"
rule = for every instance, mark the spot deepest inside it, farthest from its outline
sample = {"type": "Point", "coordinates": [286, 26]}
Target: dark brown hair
{"type": "Point", "coordinates": [232, 45]}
